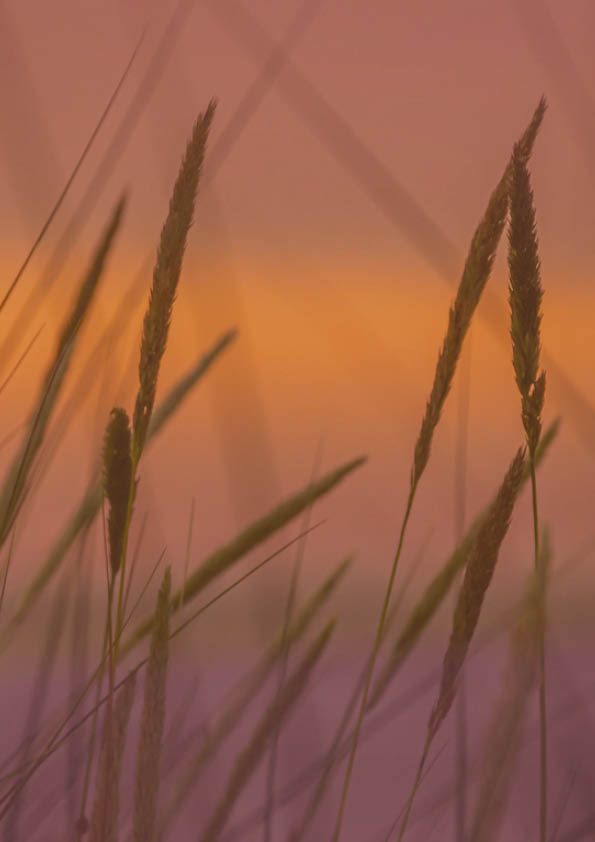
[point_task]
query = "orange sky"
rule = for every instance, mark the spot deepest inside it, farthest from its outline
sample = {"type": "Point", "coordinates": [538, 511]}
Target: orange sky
{"type": "Point", "coordinates": [340, 308]}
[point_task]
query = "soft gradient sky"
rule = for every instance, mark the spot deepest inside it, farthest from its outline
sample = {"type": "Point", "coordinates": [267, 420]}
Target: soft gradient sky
{"type": "Point", "coordinates": [339, 284]}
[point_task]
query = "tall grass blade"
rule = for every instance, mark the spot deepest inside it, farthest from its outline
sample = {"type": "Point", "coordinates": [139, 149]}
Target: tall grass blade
{"type": "Point", "coordinates": [222, 559]}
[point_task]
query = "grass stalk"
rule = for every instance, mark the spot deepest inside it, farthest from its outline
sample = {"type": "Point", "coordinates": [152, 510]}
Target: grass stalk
{"type": "Point", "coordinates": [525, 305]}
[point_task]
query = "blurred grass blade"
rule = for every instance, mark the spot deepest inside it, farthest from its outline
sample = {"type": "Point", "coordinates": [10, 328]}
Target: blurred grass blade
{"type": "Point", "coordinates": [222, 559]}
{"type": "Point", "coordinates": [14, 485]}
{"type": "Point", "coordinates": [248, 688]}
{"type": "Point", "coordinates": [178, 392]}
{"type": "Point", "coordinates": [25, 313]}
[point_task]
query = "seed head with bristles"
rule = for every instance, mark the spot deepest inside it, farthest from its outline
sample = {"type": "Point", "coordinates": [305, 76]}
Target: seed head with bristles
{"type": "Point", "coordinates": [117, 476]}
{"type": "Point", "coordinates": [166, 275]}
{"type": "Point", "coordinates": [475, 276]}
{"type": "Point", "coordinates": [525, 299]}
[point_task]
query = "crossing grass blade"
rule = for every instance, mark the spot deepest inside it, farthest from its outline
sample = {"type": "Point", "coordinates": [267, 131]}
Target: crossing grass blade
{"type": "Point", "coordinates": [222, 559]}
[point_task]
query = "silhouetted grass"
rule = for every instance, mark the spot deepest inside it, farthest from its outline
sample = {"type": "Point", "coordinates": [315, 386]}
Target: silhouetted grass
{"type": "Point", "coordinates": [127, 436]}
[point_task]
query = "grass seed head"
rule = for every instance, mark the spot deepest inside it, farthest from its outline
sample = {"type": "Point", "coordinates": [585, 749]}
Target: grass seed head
{"type": "Point", "coordinates": [478, 575]}
{"type": "Point", "coordinates": [117, 476]}
{"type": "Point", "coordinates": [166, 275]}
{"type": "Point", "coordinates": [525, 296]}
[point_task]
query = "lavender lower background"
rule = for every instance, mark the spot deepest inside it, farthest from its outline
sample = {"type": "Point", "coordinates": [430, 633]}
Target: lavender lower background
{"type": "Point", "coordinates": [386, 761]}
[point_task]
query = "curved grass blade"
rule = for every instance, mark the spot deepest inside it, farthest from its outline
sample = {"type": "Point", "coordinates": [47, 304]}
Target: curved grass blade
{"type": "Point", "coordinates": [222, 559]}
